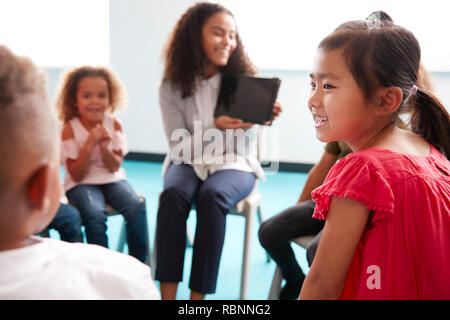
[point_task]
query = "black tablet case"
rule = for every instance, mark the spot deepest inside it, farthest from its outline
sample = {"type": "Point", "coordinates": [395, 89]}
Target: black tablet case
{"type": "Point", "coordinates": [248, 98]}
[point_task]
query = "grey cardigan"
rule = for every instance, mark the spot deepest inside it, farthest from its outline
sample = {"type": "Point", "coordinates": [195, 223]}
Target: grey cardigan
{"type": "Point", "coordinates": [184, 131]}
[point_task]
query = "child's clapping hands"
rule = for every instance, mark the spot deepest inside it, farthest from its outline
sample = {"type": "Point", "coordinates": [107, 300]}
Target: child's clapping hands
{"type": "Point", "coordinates": [100, 135]}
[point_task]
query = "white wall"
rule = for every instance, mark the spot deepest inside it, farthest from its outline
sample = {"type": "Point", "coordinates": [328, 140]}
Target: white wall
{"type": "Point", "coordinates": [139, 29]}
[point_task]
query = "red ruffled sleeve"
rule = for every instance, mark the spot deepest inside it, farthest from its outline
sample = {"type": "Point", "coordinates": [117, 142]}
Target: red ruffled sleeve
{"type": "Point", "coordinates": [356, 178]}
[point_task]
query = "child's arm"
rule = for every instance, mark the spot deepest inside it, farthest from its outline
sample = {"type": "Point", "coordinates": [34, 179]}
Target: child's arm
{"type": "Point", "coordinates": [78, 168]}
{"type": "Point", "coordinates": [343, 229]}
{"type": "Point", "coordinates": [317, 175]}
{"type": "Point", "coordinates": [112, 159]}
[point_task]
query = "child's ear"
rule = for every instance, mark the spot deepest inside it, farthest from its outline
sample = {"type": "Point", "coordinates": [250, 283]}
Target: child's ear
{"type": "Point", "coordinates": [38, 185]}
{"type": "Point", "coordinates": [389, 99]}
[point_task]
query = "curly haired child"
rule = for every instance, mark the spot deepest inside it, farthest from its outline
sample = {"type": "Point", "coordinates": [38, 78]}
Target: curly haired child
{"type": "Point", "coordinates": [93, 147]}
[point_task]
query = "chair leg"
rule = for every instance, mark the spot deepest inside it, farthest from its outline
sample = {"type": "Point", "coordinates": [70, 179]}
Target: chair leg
{"type": "Point", "coordinates": [153, 258]}
{"type": "Point", "coordinates": [122, 237]}
{"type": "Point", "coordinates": [189, 238]}
{"type": "Point", "coordinates": [275, 287]}
{"type": "Point", "coordinates": [246, 257]}
{"type": "Point", "coordinates": [260, 220]}
{"type": "Point", "coordinates": [260, 215]}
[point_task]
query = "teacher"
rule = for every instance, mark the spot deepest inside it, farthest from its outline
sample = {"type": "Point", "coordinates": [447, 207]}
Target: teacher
{"type": "Point", "coordinates": [203, 45]}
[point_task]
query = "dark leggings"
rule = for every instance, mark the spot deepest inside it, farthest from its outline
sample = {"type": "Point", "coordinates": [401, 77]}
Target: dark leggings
{"type": "Point", "coordinates": [276, 234]}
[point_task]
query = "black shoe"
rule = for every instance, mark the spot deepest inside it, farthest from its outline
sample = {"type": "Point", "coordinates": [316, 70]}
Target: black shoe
{"type": "Point", "coordinates": [291, 290]}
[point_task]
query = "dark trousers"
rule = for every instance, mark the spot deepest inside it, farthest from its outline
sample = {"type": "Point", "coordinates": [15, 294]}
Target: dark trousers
{"type": "Point", "coordinates": [276, 234]}
{"type": "Point", "coordinates": [213, 198]}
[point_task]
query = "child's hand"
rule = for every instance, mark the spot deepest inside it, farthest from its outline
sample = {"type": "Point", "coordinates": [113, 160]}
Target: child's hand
{"type": "Point", "coordinates": [105, 138]}
{"type": "Point", "coordinates": [100, 135]}
{"type": "Point", "coordinates": [225, 122]}
{"type": "Point", "coordinates": [95, 134]}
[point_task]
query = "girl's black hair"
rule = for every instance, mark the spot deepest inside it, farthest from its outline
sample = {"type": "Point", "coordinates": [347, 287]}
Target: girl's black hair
{"type": "Point", "coordinates": [389, 55]}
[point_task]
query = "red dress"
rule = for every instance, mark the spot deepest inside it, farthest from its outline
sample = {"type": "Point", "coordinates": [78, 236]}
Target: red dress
{"type": "Point", "coordinates": [406, 252]}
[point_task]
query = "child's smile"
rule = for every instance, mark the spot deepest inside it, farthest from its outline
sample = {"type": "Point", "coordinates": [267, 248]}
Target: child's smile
{"type": "Point", "coordinates": [337, 104]}
{"type": "Point", "coordinates": [318, 120]}
{"type": "Point", "coordinates": [92, 99]}
{"type": "Point", "coordinates": [95, 110]}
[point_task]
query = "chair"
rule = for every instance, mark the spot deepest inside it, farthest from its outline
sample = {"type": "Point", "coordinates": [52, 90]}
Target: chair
{"type": "Point", "coordinates": [122, 237]}
{"type": "Point", "coordinates": [275, 287]}
{"type": "Point", "coordinates": [247, 208]}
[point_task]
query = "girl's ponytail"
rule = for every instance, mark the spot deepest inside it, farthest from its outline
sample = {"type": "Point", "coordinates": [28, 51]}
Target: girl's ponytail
{"type": "Point", "coordinates": [430, 119]}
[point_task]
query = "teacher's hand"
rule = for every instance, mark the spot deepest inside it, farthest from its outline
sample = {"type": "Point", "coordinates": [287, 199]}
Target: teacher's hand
{"type": "Point", "coordinates": [277, 109]}
{"type": "Point", "coordinates": [226, 122]}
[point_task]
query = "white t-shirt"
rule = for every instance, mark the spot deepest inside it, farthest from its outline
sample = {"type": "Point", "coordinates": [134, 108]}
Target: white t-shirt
{"type": "Point", "coordinates": [54, 269]}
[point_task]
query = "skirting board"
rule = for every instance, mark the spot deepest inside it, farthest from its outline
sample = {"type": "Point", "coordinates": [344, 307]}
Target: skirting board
{"type": "Point", "coordinates": [159, 157]}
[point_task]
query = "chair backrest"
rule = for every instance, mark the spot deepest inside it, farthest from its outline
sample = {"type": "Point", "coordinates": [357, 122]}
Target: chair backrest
{"type": "Point", "coordinates": [260, 142]}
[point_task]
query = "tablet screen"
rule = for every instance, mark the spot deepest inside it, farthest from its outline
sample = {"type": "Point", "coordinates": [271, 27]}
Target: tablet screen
{"type": "Point", "coordinates": [248, 98]}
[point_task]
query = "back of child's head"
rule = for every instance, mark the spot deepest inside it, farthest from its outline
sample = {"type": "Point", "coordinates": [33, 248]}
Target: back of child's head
{"type": "Point", "coordinates": [378, 54]}
{"type": "Point", "coordinates": [66, 101]}
{"type": "Point", "coordinates": [29, 130]}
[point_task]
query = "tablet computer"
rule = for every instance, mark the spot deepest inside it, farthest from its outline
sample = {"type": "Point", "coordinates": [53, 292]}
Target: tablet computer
{"type": "Point", "coordinates": [248, 98]}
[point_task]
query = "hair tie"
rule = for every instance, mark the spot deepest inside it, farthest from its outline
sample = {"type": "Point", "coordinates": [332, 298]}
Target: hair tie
{"type": "Point", "coordinates": [374, 20]}
{"type": "Point", "coordinates": [373, 17]}
{"type": "Point", "coordinates": [414, 90]}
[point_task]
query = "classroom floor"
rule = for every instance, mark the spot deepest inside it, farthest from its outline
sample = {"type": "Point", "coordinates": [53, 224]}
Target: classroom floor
{"type": "Point", "coordinates": [279, 191]}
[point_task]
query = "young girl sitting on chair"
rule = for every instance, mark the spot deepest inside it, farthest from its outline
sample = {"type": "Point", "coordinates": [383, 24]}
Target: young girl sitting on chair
{"type": "Point", "coordinates": [93, 147]}
{"type": "Point", "coordinates": [387, 229]}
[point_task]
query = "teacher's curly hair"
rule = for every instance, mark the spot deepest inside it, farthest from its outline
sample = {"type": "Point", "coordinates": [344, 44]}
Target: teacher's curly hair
{"type": "Point", "coordinates": [184, 57]}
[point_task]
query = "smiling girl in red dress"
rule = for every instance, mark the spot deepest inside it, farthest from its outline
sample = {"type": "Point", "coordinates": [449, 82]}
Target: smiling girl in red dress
{"type": "Point", "coordinates": [387, 205]}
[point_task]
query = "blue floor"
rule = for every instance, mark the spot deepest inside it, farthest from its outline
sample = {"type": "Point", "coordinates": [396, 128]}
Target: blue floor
{"type": "Point", "coordinates": [279, 191]}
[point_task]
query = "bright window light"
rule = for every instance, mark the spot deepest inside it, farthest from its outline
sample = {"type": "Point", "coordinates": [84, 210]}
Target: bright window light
{"type": "Point", "coordinates": [55, 33]}
{"type": "Point", "coordinates": [284, 34]}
